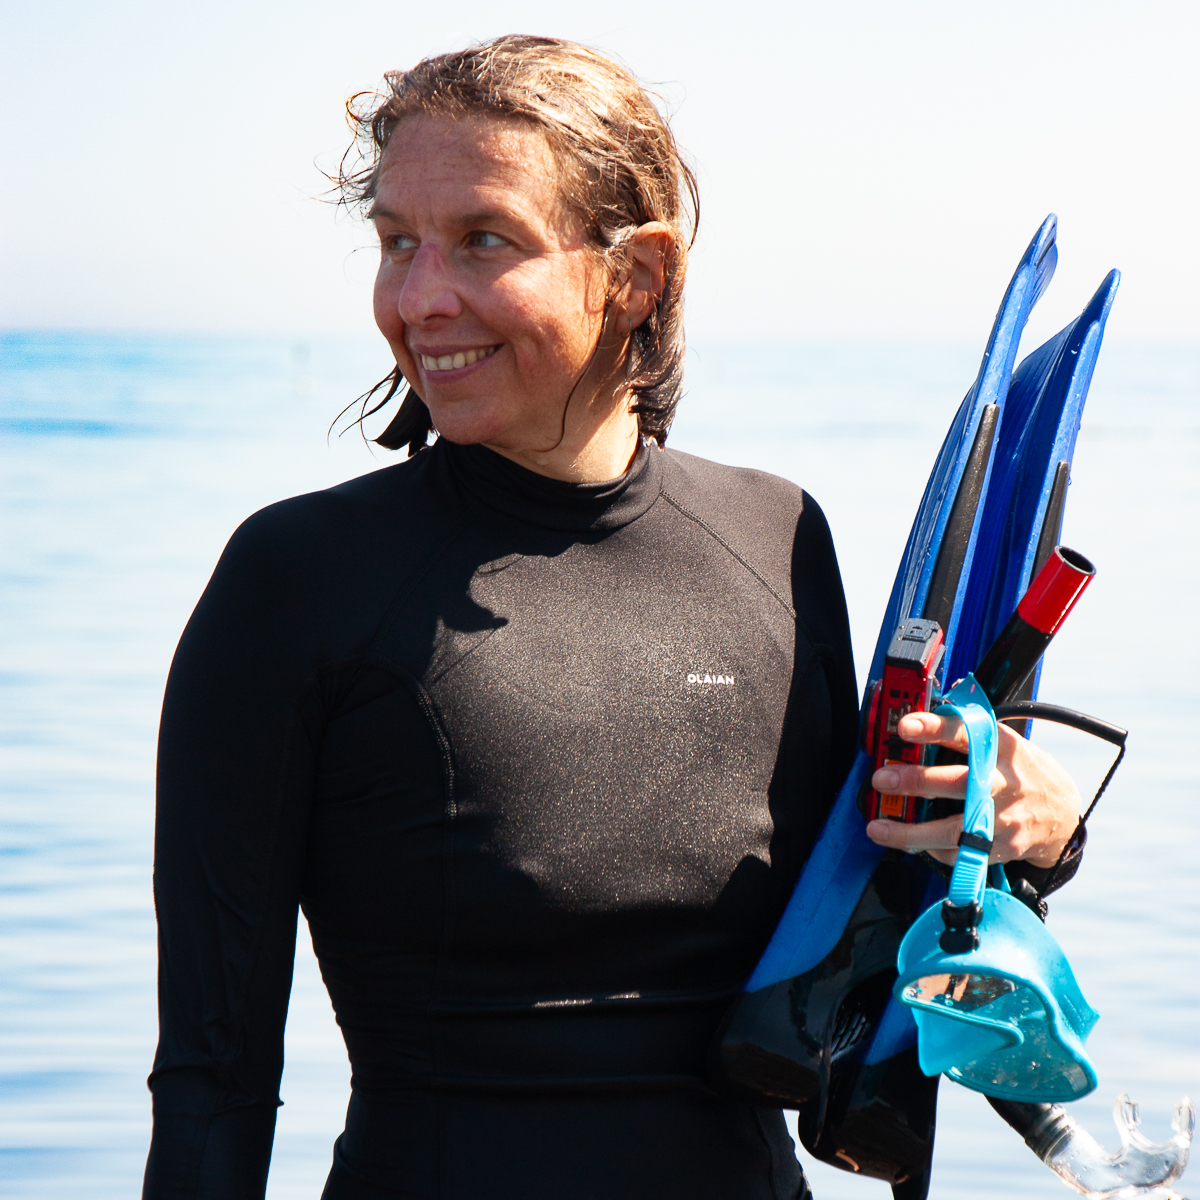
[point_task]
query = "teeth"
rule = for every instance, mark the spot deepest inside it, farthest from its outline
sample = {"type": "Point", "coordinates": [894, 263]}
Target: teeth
{"type": "Point", "coordinates": [451, 362]}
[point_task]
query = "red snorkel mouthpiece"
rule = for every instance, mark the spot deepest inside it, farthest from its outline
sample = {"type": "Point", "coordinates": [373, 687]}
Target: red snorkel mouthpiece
{"type": "Point", "coordinates": [1039, 616]}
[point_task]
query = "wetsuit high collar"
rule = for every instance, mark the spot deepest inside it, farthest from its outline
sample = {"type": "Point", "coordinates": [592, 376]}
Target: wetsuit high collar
{"type": "Point", "coordinates": [554, 503]}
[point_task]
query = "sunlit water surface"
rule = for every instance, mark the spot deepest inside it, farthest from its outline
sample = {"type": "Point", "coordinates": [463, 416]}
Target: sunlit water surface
{"type": "Point", "coordinates": [127, 461]}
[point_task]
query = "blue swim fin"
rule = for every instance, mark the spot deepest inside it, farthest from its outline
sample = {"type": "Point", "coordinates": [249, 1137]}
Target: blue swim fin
{"type": "Point", "coordinates": [1029, 476]}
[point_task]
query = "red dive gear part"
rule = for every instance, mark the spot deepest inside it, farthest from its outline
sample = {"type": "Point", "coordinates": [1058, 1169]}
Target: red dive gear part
{"type": "Point", "coordinates": [913, 657]}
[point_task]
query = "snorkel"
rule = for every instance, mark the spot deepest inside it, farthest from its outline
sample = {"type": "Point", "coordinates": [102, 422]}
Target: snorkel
{"type": "Point", "coordinates": [996, 1004]}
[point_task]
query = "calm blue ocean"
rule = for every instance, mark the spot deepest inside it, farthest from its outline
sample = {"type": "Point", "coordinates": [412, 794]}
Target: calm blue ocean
{"type": "Point", "coordinates": [128, 460]}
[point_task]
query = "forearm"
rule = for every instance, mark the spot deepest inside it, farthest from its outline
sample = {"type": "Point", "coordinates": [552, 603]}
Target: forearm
{"type": "Point", "coordinates": [207, 1145]}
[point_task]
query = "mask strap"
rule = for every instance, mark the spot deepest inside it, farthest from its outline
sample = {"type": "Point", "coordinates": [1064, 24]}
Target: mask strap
{"type": "Point", "coordinates": [963, 908]}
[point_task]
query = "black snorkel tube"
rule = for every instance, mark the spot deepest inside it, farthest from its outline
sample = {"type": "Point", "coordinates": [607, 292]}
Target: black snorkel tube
{"type": "Point", "coordinates": [1039, 615]}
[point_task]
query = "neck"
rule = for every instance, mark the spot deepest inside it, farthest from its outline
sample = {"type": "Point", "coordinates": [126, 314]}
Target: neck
{"type": "Point", "coordinates": [598, 444]}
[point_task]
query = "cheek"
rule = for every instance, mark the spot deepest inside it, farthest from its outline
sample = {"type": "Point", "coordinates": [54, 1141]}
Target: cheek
{"type": "Point", "coordinates": [386, 303]}
{"type": "Point", "coordinates": [550, 312]}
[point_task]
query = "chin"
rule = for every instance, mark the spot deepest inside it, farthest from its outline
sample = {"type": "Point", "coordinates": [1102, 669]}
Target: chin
{"type": "Point", "coordinates": [468, 424]}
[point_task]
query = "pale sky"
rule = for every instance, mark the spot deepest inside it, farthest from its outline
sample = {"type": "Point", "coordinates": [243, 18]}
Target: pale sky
{"type": "Point", "coordinates": [867, 169]}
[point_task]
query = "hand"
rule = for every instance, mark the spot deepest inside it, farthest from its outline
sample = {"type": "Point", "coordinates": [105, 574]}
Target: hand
{"type": "Point", "coordinates": [1037, 803]}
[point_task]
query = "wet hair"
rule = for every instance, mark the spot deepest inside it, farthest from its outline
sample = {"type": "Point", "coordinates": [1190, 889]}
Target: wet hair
{"type": "Point", "coordinates": [620, 168]}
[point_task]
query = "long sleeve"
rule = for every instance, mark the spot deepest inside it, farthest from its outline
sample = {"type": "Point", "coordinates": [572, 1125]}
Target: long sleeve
{"type": "Point", "coordinates": [821, 608]}
{"type": "Point", "coordinates": [234, 791]}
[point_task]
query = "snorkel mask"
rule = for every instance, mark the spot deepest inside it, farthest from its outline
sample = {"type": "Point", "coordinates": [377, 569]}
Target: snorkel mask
{"type": "Point", "coordinates": [996, 1004]}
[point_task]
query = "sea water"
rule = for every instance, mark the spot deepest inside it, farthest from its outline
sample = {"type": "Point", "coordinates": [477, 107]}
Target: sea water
{"type": "Point", "coordinates": [128, 460]}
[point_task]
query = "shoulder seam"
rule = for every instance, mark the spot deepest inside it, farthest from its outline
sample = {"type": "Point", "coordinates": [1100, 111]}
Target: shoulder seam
{"type": "Point", "coordinates": [691, 516]}
{"type": "Point", "coordinates": [683, 510]}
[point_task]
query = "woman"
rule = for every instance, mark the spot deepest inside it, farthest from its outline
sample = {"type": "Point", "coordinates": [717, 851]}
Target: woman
{"type": "Point", "coordinates": [538, 726]}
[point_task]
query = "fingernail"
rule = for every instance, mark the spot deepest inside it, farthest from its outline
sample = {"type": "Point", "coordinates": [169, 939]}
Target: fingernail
{"type": "Point", "coordinates": [884, 779]}
{"type": "Point", "coordinates": [879, 831]}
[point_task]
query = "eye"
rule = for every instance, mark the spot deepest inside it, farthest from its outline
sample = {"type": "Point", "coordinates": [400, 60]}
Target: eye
{"type": "Point", "coordinates": [394, 242]}
{"type": "Point", "coordinates": [485, 241]}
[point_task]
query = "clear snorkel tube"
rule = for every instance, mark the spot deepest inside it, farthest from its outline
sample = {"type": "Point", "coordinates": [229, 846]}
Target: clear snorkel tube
{"type": "Point", "coordinates": [1140, 1168]}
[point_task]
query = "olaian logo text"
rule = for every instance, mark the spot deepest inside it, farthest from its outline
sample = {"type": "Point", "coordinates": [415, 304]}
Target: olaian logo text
{"type": "Point", "coordinates": [705, 677]}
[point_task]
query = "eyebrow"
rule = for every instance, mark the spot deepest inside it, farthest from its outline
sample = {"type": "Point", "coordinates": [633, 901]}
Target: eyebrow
{"type": "Point", "coordinates": [486, 216]}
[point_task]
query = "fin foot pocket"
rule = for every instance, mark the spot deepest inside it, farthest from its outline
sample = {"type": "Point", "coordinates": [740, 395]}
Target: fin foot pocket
{"type": "Point", "coordinates": [880, 1123]}
{"type": "Point", "coordinates": [780, 1041]}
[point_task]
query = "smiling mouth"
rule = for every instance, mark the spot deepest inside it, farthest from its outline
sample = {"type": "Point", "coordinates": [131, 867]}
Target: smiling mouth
{"type": "Point", "coordinates": [452, 362]}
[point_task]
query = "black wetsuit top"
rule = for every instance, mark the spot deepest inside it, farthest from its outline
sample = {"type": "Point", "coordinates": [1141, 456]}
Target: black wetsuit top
{"type": "Point", "coordinates": [541, 763]}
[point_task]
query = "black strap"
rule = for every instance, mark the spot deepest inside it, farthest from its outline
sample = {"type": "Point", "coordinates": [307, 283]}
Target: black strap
{"type": "Point", "coordinates": [975, 841]}
{"type": "Point", "coordinates": [1025, 709]}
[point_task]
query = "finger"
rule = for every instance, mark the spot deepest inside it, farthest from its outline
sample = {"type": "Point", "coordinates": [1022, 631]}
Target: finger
{"type": "Point", "coordinates": [928, 835]}
{"type": "Point", "coordinates": [926, 728]}
{"type": "Point", "coordinates": [907, 779]}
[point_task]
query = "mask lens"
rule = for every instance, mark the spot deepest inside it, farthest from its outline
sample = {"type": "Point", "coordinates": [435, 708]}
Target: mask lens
{"type": "Point", "coordinates": [962, 993]}
{"type": "Point", "coordinates": [1038, 1062]}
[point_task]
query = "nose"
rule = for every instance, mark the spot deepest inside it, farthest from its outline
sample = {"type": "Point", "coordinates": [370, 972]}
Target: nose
{"type": "Point", "coordinates": [428, 289]}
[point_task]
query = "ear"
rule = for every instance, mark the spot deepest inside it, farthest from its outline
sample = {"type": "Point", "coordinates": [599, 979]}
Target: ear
{"type": "Point", "coordinates": [645, 277]}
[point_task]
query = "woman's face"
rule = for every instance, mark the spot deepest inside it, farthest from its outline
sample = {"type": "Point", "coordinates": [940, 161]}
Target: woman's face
{"type": "Point", "coordinates": [486, 291]}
